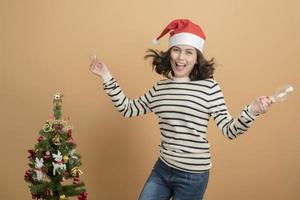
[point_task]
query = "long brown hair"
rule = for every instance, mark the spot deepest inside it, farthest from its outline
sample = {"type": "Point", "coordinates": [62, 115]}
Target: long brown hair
{"type": "Point", "coordinates": [203, 69]}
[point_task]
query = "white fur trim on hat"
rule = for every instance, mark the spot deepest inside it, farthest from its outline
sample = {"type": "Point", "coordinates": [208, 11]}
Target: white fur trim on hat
{"type": "Point", "coordinates": [187, 39]}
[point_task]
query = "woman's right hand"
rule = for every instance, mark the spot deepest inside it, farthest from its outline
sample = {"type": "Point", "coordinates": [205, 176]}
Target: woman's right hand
{"type": "Point", "coordinates": [98, 68]}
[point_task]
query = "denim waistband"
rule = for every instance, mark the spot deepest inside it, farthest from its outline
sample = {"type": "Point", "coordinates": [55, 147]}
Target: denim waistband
{"type": "Point", "coordinates": [162, 164]}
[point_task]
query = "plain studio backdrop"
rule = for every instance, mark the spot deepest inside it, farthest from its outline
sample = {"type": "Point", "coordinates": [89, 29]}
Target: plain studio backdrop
{"type": "Point", "coordinates": [45, 46]}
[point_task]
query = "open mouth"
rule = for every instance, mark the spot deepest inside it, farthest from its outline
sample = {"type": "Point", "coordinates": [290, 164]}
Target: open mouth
{"type": "Point", "coordinates": [180, 66]}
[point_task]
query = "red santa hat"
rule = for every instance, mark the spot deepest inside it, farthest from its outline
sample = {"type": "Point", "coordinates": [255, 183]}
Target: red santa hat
{"type": "Point", "coordinates": [183, 32]}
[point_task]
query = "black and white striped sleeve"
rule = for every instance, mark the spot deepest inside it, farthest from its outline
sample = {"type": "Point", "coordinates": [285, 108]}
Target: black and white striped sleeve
{"type": "Point", "coordinates": [230, 127]}
{"type": "Point", "coordinates": [128, 107]}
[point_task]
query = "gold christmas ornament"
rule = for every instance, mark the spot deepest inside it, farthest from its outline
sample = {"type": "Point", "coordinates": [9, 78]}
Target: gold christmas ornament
{"type": "Point", "coordinates": [57, 121]}
{"type": "Point", "coordinates": [66, 158]}
{"type": "Point", "coordinates": [48, 127]}
{"type": "Point", "coordinates": [56, 140]}
{"type": "Point", "coordinates": [76, 171]}
{"type": "Point", "coordinates": [62, 197]}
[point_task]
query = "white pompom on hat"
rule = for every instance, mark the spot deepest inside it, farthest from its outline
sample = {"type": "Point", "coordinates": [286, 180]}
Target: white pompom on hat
{"type": "Point", "coordinates": [183, 32]}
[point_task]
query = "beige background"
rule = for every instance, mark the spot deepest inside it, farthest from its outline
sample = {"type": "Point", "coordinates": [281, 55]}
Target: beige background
{"type": "Point", "coordinates": [45, 46]}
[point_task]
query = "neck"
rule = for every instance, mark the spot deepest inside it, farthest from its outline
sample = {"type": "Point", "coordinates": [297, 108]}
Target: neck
{"type": "Point", "coordinates": [181, 79]}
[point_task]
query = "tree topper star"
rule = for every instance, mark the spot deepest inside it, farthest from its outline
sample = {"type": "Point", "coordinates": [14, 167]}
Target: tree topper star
{"type": "Point", "coordinates": [57, 97]}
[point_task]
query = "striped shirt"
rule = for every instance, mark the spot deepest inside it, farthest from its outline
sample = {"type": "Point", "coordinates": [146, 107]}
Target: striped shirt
{"type": "Point", "coordinates": [183, 109]}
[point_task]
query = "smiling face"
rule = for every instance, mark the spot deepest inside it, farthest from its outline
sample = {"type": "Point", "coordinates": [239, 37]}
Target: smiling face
{"type": "Point", "coordinates": [183, 59]}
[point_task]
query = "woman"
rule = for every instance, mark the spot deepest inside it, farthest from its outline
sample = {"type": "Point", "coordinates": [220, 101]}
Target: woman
{"type": "Point", "coordinates": [183, 102]}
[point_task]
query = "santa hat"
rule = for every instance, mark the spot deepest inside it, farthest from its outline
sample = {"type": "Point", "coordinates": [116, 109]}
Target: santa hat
{"type": "Point", "coordinates": [183, 32]}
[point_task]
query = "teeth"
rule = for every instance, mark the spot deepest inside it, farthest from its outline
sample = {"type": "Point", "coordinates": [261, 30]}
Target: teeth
{"type": "Point", "coordinates": [180, 65]}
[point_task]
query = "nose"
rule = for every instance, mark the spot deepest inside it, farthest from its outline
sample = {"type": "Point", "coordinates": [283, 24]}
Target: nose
{"type": "Point", "coordinates": [181, 55]}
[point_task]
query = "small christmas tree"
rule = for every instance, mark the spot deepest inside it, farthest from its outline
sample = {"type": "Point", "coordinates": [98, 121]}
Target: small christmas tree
{"type": "Point", "coordinates": [53, 161]}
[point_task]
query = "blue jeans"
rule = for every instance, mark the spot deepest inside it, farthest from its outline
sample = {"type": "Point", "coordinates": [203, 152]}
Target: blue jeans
{"type": "Point", "coordinates": [165, 182]}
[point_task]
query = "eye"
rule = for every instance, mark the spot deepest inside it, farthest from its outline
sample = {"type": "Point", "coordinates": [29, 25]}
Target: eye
{"type": "Point", "coordinates": [189, 52]}
{"type": "Point", "coordinates": [175, 49]}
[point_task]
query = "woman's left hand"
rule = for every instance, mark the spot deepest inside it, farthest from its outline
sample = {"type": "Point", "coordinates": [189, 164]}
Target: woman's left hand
{"type": "Point", "coordinates": [260, 105]}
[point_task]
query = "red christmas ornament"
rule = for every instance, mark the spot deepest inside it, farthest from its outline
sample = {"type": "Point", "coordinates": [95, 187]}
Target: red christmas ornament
{"type": "Point", "coordinates": [72, 141]}
{"type": "Point", "coordinates": [47, 192]}
{"type": "Point", "coordinates": [76, 180]}
{"type": "Point", "coordinates": [83, 196]}
{"type": "Point", "coordinates": [28, 176]}
{"type": "Point", "coordinates": [65, 175]}
{"type": "Point", "coordinates": [32, 153]}
{"type": "Point", "coordinates": [59, 127]}
{"type": "Point", "coordinates": [41, 138]}
{"type": "Point", "coordinates": [47, 155]}
{"type": "Point", "coordinates": [70, 134]}
{"type": "Point", "coordinates": [36, 196]}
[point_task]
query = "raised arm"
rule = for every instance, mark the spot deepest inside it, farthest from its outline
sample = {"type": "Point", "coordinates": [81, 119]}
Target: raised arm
{"type": "Point", "coordinates": [128, 107]}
